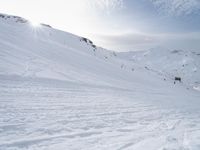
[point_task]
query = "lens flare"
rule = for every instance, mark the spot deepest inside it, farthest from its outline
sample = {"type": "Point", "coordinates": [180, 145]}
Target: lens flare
{"type": "Point", "coordinates": [35, 23]}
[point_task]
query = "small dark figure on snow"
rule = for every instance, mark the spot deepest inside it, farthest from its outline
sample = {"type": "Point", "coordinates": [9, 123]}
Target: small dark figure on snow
{"type": "Point", "coordinates": [177, 79]}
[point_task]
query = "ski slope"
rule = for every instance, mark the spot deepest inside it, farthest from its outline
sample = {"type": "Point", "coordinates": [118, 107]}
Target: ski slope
{"type": "Point", "coordinates": [59, 91]}
{"type": "Point", "coordinates": [169, 63]}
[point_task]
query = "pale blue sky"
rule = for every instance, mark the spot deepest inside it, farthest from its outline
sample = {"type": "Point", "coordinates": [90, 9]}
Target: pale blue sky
{"type": "Point", "coordinates": [118, 24]}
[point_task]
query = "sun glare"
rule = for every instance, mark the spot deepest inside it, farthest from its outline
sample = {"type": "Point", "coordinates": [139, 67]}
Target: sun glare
{"type": "Point", "coordinates": [35, 23]}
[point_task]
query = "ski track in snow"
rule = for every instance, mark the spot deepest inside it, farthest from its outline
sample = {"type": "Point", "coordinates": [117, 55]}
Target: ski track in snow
{"type": "Point", "coordinates": [37, 115]}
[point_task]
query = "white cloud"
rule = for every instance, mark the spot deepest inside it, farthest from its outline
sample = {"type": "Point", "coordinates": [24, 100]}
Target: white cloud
{"type": "Point", "coordinates": [107, 5]}
{"type": "Point", "coordinates": [177, 7]}
{"type": "Point", "coordinates": [126, 41]}
{"type": "Point", "coordinates": [144, 41]}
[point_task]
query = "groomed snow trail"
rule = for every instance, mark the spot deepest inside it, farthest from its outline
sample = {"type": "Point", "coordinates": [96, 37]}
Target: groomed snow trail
{"type": "Point", "coordinates": [50, 114]}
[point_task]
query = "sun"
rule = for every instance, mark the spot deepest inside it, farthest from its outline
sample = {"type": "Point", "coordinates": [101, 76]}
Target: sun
{"type": "Point", "coordinates": [35, 23]}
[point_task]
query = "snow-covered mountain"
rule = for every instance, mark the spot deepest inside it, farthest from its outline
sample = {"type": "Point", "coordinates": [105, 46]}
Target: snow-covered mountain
{"type": "Point", "coordinates": [45, 52]}
{"type": "Point", "coordinates": [61, 91]}
{"type": "Point", "coordinates": [168, 63]}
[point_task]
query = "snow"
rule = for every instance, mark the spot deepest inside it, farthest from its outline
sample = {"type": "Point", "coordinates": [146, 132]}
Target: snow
{"type": "Point", "coordinates": [59, 92]}
{"type": "Point", "coordinates": [169, 63]}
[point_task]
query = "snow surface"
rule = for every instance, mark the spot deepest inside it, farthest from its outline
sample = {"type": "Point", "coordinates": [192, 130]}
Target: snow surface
{"type": "Point", "coordinates": [169, 63]}
{"type": "Point", "coordinates": [59, 91]}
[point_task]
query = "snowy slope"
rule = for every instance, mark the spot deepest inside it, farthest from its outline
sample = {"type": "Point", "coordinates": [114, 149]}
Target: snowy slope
{"type": "Point", "coordinates": [60, 91]}
{"type": "Point", "coordinates": [169, 63]}
{"type": "Point", "coordinates": [49, 53]}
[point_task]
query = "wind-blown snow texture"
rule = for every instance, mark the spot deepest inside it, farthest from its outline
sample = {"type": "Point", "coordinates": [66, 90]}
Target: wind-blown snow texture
{"type": "Point", "coordinates": [59, 91]}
